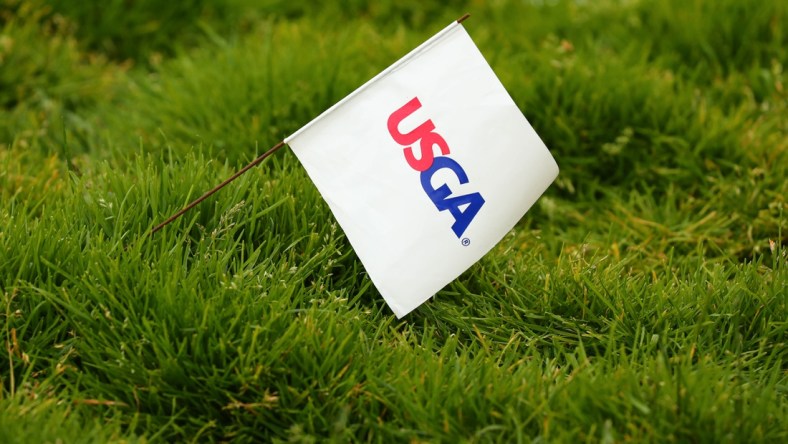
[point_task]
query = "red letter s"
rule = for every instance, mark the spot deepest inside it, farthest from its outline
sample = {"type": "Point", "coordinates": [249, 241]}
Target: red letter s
{"type": "Point", "coordinates": [427, 155]}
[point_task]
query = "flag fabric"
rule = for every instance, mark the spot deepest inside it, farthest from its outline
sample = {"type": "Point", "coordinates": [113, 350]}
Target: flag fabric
{"type": "Point", "coordinates": [425, 167]}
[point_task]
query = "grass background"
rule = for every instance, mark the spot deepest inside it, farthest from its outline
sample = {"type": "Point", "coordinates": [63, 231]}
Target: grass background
{"type": "Point", "coordinates": [642, 299]}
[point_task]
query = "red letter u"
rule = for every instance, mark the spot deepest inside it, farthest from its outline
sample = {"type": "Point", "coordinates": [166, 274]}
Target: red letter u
{"type": "Point", "coordinates": [399, 115]}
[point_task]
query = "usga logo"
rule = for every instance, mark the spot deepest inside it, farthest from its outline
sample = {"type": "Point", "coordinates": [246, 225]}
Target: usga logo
{"type": "Point", "coordinates": [428, 164]}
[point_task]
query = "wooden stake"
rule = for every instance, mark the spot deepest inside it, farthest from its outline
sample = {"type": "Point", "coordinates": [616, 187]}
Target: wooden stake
{"type": "Point", "coordinates": [218, 187]}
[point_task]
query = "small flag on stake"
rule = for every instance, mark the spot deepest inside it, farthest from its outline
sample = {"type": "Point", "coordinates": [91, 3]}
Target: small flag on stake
{"type": "Point", "coordinates": [425, 167]}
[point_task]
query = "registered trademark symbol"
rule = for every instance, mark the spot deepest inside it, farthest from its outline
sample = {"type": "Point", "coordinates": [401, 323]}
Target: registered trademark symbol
{"type": "Point", "coordinates": [466, 242]}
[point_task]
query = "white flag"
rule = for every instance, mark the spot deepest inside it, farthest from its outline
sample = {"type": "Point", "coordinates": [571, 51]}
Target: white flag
{"type": "Point", "coordinates": [426, 167]}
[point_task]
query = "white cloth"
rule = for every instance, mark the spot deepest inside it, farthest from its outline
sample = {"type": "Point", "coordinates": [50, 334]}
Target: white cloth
{"type": "Point", "coordinates": [381, 157]}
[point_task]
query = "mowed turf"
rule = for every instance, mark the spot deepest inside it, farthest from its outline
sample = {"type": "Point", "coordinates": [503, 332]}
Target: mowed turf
{"type": "Point", "coordinates": [643, 298]}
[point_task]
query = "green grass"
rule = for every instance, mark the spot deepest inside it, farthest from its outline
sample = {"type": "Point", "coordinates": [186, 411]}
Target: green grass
{"type": "Point", "coordinates": [642, 299]}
